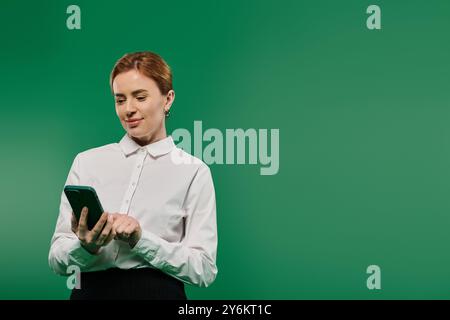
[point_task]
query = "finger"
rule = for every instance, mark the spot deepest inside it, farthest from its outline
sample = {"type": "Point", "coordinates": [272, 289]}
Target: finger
{"type": "Point", "coordinates": [120, 220]}
{"type": "Point", "coordinates": [111, 236]}
{"type": "Point", "coordinates": [115, 215]}
{"type": "Point", "coordinates": [74, 223]}
{"type": "Point", "coordinates": [95, 232]}
{"type": "Point", "coordinates": [116, 237]}
{"type": "Point", "coordinates": [126, 234]}
{"type": "Point", "coordinates": [121, 227]}
{"type": "Point", "coordinates": [117, 218]}
{"type": "Point", "coordinates": [82, 223]}
{"type": "Point", "coordinates": [130, 229]}
{"type": "Point", "coordinates": [106, 231]}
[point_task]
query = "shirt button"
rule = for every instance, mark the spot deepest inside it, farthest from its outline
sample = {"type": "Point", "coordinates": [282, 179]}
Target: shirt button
{"type": "Point", "coordinates": [133, 184]}
{"type": "Point", "coordinates": [127, 201]}
{"type": "Point", "coordinates": [139, 165]}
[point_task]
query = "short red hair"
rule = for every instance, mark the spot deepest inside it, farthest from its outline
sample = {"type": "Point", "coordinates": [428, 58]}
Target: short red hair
{"type": "Point", "coordinates": [147, 63]}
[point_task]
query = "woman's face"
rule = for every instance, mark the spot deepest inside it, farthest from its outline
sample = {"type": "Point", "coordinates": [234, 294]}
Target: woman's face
{"type": "Point", "coordinates": [141, 107]}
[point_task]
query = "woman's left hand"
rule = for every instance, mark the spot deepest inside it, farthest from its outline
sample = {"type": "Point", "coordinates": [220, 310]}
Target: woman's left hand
{"type": "Point", "coordinates": [127, 229]}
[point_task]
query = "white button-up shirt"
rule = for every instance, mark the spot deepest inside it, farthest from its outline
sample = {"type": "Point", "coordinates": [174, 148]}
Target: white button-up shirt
{"type": "Point", "coordinates": [174, 202]}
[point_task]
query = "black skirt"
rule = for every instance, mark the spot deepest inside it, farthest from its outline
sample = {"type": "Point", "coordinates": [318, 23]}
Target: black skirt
{"type": "Point", "coordinates": [136, 284]}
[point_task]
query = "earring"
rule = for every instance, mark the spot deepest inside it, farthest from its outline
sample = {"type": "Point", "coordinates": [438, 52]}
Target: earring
{"type": "Point", "coordinates": [167, 113]}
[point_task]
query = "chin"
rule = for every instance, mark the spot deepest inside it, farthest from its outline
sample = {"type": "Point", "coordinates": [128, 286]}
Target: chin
{"type": "Point", "coordinates": [134, 134]}
{"type": "Point", "coordinates": [139, 133]}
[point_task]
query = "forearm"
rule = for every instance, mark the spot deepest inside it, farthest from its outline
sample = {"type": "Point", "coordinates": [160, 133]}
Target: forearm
{"type": "Point", "coordinates": [65, 252]}
{"type": "Point", "coordinates": [191, 265]}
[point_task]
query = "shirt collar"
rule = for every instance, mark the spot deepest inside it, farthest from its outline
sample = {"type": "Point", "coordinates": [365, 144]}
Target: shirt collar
{"type": "Point", "coordinates": [156, 149]}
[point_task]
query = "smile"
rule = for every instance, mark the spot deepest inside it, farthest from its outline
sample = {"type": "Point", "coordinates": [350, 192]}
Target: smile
{"type": "Point", "coordinates": [133, 122]}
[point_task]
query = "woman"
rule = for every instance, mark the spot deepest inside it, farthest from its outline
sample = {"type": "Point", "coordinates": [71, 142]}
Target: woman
{"type": "Point", "coordinates": [158, 230]}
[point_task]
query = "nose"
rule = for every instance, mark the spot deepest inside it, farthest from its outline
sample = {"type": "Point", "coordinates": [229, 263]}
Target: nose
{"type": "Point", "coordinates": [129, 108]}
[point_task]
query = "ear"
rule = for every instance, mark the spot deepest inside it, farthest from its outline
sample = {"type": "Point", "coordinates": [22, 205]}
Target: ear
{"type": "Point", "coordinates": [170, 97]}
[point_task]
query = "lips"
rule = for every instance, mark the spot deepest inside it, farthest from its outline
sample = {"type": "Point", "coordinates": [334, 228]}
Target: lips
{"type": "Point", "coordinates": [133, 122]}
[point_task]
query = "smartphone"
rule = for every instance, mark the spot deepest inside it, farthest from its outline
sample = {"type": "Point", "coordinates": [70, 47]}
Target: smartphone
{"type": "Point", "coordinates": [84, 196]}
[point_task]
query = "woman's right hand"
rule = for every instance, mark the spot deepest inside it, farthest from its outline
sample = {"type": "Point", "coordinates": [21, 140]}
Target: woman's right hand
{"type": "Point", "coordinates": [100, 235]}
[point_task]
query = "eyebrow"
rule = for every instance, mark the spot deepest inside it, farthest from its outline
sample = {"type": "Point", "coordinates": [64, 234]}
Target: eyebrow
{"type": "Point", "coordinates": [134, 93]}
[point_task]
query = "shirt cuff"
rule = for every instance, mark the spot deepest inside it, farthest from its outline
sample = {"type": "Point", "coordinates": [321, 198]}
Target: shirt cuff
{"type": "Point", "coordinates": [147, 246]}
{"type": "Point", "coordinates": [81, 256]}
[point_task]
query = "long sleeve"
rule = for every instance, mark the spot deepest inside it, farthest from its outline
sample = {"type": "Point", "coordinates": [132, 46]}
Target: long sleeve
{"type": "Point", "coordinates": [193, 260]}
{"type": "Point", "coordinates": [65, 248]}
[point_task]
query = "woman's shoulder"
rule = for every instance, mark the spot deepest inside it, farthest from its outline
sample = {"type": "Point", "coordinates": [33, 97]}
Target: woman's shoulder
{"type": "Point", "coordinates": [100, 151]}
{"type": "Point", "coordinates": [179, 156]}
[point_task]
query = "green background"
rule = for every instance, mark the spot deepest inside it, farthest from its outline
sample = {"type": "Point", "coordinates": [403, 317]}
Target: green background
{"type": "Point", "coordinates": [364, 136]}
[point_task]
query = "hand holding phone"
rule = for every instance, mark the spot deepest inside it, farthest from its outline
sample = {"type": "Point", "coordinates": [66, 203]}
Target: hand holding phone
{"type": "Point", "coordinates": [92, 226]}
{"type": "Point", "coordinates": [100, 235]}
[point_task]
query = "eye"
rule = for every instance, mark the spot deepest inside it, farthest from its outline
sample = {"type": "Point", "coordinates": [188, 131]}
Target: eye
{"type": "Point", "coordinates": [120, 101]}
{"type": "Point", "coordinates": [141, 98]}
